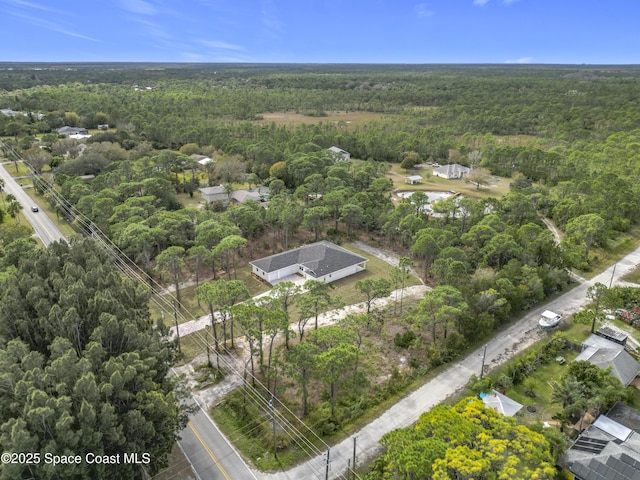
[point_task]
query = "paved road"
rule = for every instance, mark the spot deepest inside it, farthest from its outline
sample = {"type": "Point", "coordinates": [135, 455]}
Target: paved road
{"type": "Point", "coordinates": [199, 441]}
{"type": "Point", "coordinates": [44, 228]}
{"type": "Point", "coordinates": [499, 349]}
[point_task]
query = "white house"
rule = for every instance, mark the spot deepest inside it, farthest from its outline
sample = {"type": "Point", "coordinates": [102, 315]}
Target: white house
{"type": "Point", "coordinates": [452, 170]}
{"type": "Point", "coordinates": [322, 261]}
{"type": "Point", "coordinates": [339, 154]}
{"type": "Point", "coordinates": [413, 179]}
{"type": "Point", "coordinates": [501, 403]}
{"type": "Point", "coordinates": [201, 159]}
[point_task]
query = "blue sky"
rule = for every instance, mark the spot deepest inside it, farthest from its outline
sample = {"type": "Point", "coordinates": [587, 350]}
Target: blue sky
{"type": "Point", "coordinates": [322, 31]}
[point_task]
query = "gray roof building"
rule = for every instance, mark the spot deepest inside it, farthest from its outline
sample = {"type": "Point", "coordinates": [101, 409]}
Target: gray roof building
{"type": "Point", "coordinates": [605, 353]}
{"type": "Point", "coordinates": [72, 131]}
{"type": "Point", "coordinates": [218, 194]}
{"type": "Point", "coordinates": [321, 260]}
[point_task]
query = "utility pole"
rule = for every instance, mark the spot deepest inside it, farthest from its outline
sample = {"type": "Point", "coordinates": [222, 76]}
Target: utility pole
{"type": "Point", "coordinates": [326, 475]}
{"type": "Point", "coordinates": [484, 354]}
{"type": "Point", "coordinates": [175, 318]}
{"type": "Point", "coordinates": [612, 274]}
{"type": "Point", "coordinates": [206, 341]}
{"type": "Point", "coordinates": [354, 458]}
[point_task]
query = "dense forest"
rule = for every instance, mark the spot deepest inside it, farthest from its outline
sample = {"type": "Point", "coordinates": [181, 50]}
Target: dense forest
{"type": "Point", "coordinates": [565, 138]}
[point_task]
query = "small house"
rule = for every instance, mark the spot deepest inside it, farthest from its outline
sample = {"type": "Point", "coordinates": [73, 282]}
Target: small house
{"type": "Point", "coordinates": [604, 353]}
{"type": "Point", "coordinates": [68, 131]}
{"type": "Point", "coordinates": [413, 179]}
{"type": "Point", "coordinates": [322, 261]}
{"type": "Point", "coordinates": [201, 159]}
{"type": "Point", "coordinates": [340, 155]}
{"type": "Point", "coordinates": [219, 194]}
{"type": "Point", "coordinates": [451, 171]}
{"type": "Point", "coordinates": [501, 403]}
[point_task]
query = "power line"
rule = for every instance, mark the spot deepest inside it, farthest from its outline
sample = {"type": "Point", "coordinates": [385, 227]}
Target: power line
{"type": "Point", "coordinates": [131, 270]}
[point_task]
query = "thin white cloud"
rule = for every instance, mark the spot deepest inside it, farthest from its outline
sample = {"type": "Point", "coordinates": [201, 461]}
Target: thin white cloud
{"type": "Point", "coordinates": [139, 6]}
{"type": "Point", "coordinates": [269, 17]}
{"type": "Point", "coordinates": [22, 3]}
{"type": "Point", "coordinates": [422, 10]}
{"type": "Point", "coordinates": [221, 45]}
{"type": "Point", "coordinates": [509, 2]}
{"type": "Point", "coordinates": [152, 29]}
{"type": "Point", "coordinates": [521, 60]}
{"type": "Point", "coordinates": [53, 26]}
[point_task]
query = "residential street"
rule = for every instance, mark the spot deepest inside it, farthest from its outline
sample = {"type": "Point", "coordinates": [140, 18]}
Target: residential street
{"type": "Point", "coordinates": [45, 229]}
{"type": "Point", "coordinates": [210, 454]}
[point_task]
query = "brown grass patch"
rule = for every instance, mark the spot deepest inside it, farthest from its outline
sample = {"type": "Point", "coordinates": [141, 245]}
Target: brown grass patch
{"type": "Point", "coordinates": [497, 187]}
{"type": "Point", "coordinates": [293, 119]}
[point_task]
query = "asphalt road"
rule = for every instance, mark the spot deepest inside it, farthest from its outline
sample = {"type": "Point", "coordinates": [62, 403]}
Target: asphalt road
{"type": "Point", "coordinates": [44, 228]}
{"type": "Point", "coordinates": [200, 440]}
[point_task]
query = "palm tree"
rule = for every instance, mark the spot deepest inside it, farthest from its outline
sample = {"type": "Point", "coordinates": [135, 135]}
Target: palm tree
{"type": "Point", "coordinates": [228, 190]}
{"type": "Point", "coordinates": [13, 208]}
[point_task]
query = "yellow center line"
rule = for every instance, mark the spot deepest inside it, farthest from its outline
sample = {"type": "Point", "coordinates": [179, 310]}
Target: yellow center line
{"type": "Point", "coordinates": [206, 447]}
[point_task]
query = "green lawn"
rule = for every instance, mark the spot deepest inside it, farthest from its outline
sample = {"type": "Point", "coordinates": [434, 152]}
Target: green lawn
{"type": "Point", "coordinates": [21, 171]}
{"type": "Point", "coordinates": [633, 276]}
{"type": "Point", "coordinates": [541, 384]}
{"type": "Point", "coordinates": [376, 269]}
{"type": "Point", "coordinates": [540, 381]}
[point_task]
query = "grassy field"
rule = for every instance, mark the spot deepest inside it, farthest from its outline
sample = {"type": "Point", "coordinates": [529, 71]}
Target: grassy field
{"type": "Point", "coordinates": [497, 188]}
{"type": "Point", "coordinates": [601, 258]}
{"type": "Point", "coordinates": [633, 276]}
{"type": "Point", "coordinates": [17, 169]}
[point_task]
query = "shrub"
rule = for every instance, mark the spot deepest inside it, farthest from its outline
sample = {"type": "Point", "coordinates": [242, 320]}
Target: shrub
{"type": "Point", "coordinates": [405, 339]}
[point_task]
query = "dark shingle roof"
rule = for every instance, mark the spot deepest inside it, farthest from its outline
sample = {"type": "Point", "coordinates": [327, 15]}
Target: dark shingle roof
{"type": "Point", "coordinates": [617, 467]}
{"type": "Point", "coordinates": [319, 259]}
